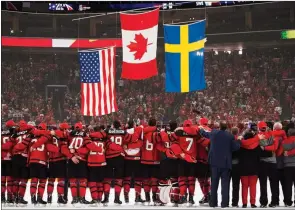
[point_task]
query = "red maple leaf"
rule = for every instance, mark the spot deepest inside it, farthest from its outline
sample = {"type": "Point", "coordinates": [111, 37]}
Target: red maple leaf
{"type": "Point", "coordinates": [139, 46]}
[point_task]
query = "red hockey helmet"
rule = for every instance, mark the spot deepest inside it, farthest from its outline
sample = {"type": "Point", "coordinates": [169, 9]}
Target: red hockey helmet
{"type": "Point", "coordinates": [203, 121]}
{"type": "Point", "coordinates": [64, 125]}
{"type": "Point", "coordinates": [10, 123]}
{"type": "Point", "coordinates": [78, 126]}
{"type": "Point", "coordinates": [42, 126]}
{"type": "Point", "coordinates": [187, 123]}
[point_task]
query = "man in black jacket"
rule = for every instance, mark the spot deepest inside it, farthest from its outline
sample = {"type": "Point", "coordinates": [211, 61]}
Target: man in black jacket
{"type": "Point", "coordinates": [222, 144]}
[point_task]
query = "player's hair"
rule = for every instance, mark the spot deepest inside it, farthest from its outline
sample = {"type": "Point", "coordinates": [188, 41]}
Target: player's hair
{"type": "Point", "coordinates": [223, 125]}
{"type": "Point", "coordinates": [235, 130]}
{"type": "Point", "coordinates": [172, 125]}
{"type": "Point", "coordinates": [130, 124]}
{"type": "Point", "coordinates": [96, 128]}
{"type": "Point", "coordinates": [116, 124]}
{"type": "Point", "coordinates": [152, 122]}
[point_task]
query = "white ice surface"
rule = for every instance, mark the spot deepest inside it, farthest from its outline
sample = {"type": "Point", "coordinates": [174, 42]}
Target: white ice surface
{"type": "Point", "coordinates": [198, 196]}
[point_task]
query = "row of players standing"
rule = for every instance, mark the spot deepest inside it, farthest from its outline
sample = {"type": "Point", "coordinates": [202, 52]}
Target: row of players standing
{"type": "Point", "coordinates": [95, 159]}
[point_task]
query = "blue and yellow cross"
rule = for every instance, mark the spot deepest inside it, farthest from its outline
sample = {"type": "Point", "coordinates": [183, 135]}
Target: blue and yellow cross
{"type": "Point", "coordinates": [184, 39]}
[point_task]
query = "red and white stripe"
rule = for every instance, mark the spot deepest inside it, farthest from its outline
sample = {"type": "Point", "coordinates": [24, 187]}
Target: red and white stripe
{"type": "Point", "coordinates": [99, 99]}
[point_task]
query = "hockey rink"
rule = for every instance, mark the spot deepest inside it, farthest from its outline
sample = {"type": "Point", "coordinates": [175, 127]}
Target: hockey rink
{"type": "Point", "coordinates": [131, 205]}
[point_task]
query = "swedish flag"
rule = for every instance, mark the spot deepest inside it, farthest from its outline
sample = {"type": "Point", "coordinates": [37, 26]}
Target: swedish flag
{"type": "Point", "coordinates": [184, 57]}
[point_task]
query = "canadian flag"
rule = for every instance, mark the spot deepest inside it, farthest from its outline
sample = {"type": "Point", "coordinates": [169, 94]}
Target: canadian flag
{"type": "Point", "coordinates": [139, 44]}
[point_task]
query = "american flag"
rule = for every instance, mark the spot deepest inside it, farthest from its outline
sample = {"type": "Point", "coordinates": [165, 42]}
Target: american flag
{"type": "Point", "coordinates": [98, 94]}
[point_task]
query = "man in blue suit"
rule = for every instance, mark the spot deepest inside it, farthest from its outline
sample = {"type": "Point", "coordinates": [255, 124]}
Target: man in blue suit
{"type": "Point", "coordinates": [222, 144]}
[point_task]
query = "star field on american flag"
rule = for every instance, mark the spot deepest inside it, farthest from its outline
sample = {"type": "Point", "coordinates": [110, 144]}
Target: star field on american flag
{"type": "Point", "coordinates": [89, 62]}
{"type": "Point", "coordinates": [51, 6]}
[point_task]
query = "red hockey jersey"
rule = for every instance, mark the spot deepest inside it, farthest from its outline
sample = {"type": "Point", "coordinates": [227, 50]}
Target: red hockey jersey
{"type": "Point", "coordinates": [21, 143]}
{"type": "Point", "coordinates": [119, 137]}
{"type": "Point", "coordinates": [188, 143]}
{"type": "Point", "coordinates": [77, 140]}
{"type": "Point", "coordinates": [40, 154]}
{"type": "Point", "coordinates": [6, 145]}
{"type": "Point", "coordinates": [150, 153]}
{"type": "Point", "coordinates": [98, 158]}
{"type": "Point", "coordinates": [132, 149]}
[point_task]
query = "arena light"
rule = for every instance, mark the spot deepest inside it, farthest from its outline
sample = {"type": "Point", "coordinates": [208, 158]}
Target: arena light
{"type": "Point", "coordinates": [240, 52]}
{"type": "Point", "coordinates": [229, 52]}
{"type": "Point", "coordinates": [288, 34]}
{"type": "Point", "coordinates": [215, 52]}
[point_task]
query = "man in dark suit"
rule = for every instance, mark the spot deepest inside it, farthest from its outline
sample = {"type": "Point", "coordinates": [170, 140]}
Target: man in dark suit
{"type": "Point", "coordinates": [222, 144]}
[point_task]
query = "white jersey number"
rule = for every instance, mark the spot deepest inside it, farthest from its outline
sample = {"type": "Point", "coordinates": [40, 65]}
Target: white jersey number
{"type": "Point", "coordinates": [76, 143]}
{"type": "Point", "coordinates": [149, 146]}
{"type": "Point", "coordinates": [117, 140]}
{"type": "Point", "coordinates": [190, 140]}
{"type": "Point", "coordinates": [99, 144]}
{"type": "Point", "coordinates": [41, 148]}
{"type": "Point", "coordinates": [5, 139]}
{"type": "Point", "coordinates": [21, 138]}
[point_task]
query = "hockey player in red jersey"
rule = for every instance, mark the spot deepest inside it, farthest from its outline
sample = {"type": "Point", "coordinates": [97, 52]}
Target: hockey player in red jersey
{"type": "Point", "coordinates": [6, 163]}
{"type": "Point", "coordinates": [58, 165]}
{"type": "Point", "coordinates": [38, 161]}
{"type": "Point", "coordinates": [115, 161]}
{"type": "Point", "coordinates": [77, 165]}
{"type": "Point", "coordinates": [96, 166]}
{"type": "Point", "coordinates": [97, 163]}
{"type": "Point", "coordinates": [20, 171]}
{"type": "Point", "coordinates": [186, 170]}
{"type": "Point", "coordinates": [150, 160]}
{"type": "Point", "coordinates": [168, 166]}
{"type": "Point", "coordinates": [132, 150]}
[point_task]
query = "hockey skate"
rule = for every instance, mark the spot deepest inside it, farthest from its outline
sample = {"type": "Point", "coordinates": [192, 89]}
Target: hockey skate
{"type": "Point", "coordinates": [40, 202]}
{"type": "Point", "coordinates": [117, 200]}
{"type": "Point", "coordinates": [157, 201]}
{"type": "Point", "coordinates": [21, 202]}
{"type": "Point", "coordinates": [147, 201]}
{"type": "Point", "coordinates": [94, 203]}
{"type": "Point", "coordinates": [75, 202]}
{"type": "Point", "coordinates": [61, 201]}
{"type": "Point", "coordinates": [105, 201]}
{"type": "Point", "coordinates": [191, 201]}
{"type": "Point", "coordinates": [34, 200]}
{"type": "Point", "coordinates": [138, 200]}
{"type": "Point", "coordinates": [49, 199]}
{"type": "Point", "coordinates": [126, 197]}
{"type": "Point", "coordinates": [10, 201]}
{"type": "Point", "coordinates": [3, 200]}
{"type": "Point", "coordinates": [182, 201]}
{"type": "Point", "coordinates": [205, 200]}
{"type": "Point", "coordinates": [83, 201]}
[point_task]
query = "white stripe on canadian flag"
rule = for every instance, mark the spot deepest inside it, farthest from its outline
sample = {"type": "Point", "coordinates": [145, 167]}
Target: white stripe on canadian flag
{"type": "Point", "coordinates": [129, 36]}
